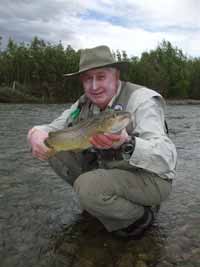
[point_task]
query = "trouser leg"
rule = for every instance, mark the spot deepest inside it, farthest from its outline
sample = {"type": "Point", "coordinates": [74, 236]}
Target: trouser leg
{"type": "Point", "coordinates": [68, 165]}
{"type": "Point", "coordinates": [117, 197]}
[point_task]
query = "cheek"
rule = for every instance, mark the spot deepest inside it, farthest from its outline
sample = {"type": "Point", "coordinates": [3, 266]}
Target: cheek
{"type": "Point", "coordinates": [112, 87]}
{"type": "Point", "coordinates": [87, 93]}
{"type": "Point", "coordinates": [107, 83]}
{"type": "Point", "coordinates": [86, 87]}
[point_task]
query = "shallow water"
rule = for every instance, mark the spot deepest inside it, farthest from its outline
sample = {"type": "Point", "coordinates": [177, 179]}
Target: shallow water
{"type": "Point", "coordinates": [36, 206]}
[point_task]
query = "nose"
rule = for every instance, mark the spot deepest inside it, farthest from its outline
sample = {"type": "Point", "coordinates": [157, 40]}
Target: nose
{"type": "Point", "coordinates": [94, 83]}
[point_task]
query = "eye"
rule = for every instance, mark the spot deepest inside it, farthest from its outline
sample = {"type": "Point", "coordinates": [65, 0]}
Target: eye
{"type": "Point", "coordinates": [86, 78]}
{"type": "Point", "coordinates": [101, 77]}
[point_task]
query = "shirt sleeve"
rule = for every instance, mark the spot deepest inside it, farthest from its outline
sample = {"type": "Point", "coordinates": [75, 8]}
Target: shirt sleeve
{"type": "Point", "coordinates": [154, 151]}
{"type": "Point", "coordinates": [58, 123]}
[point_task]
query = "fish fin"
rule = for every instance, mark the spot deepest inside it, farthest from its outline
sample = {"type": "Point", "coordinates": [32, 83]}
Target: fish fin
{"type": "Point", "coordinates": [51, 153]}
{"type": "Point", "coordinates": [77, 150]}
{"type": "Point", "coordinates": [100, 132]}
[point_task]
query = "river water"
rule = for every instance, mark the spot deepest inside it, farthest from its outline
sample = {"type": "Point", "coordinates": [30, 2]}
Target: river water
{"type": "Point", "coordinates": [37, 207]}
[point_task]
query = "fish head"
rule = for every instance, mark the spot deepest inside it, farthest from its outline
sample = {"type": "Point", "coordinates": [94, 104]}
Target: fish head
{"type": "Point", "coordinates": [116, 121]}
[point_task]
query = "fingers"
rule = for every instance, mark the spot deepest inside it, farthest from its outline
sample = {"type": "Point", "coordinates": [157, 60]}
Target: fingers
{"type": "Point", "coordinates": [41, 152]}
{"type": "Point", "coordinates": [107, 140]}
{"type": "Point", "coordinates": [40, 156]}
{"type": "Point", "coordinates": [104, 141]}
{"type": "Point", "coordinates": [100, 142]}
{"type": "Point", "coordinates": [113, 137]}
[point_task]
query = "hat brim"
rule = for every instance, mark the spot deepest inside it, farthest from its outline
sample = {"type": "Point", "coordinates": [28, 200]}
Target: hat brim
{"type": "Point", "coordinates": [122, 66]}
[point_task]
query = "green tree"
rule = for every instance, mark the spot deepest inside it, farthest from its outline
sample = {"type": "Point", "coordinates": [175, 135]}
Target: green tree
{"type": "Point", "coordinates": [37, 69]}
{"type": "Point", "coordinates": [164, 70]}
{"type": "Point", "coordinates": [194, 78]}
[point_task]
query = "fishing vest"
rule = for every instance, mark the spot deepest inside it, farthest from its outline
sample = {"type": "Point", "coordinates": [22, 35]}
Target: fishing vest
{"type": "Point", "coordinates": [109, 158]}
{"type": "Point", "coordinates": [87, 108]}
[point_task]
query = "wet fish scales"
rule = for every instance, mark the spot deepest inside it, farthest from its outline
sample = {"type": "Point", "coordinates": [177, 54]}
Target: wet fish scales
{"type": "Point", "coordinates": [77, 137]}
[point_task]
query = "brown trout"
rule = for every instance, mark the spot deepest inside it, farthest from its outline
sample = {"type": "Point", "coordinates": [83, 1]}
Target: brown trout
{"type": "Point", "coordinates": [77, 137]}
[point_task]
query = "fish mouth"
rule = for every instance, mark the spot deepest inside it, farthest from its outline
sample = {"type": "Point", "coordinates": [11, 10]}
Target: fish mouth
{"type": "Point", "coordinates": [118, 128]}
{"type": "Point", "coordinates": [47, 143]}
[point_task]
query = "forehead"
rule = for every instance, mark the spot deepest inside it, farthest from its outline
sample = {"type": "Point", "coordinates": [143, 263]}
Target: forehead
{"type": "Point", "coordinates": [97, 71]}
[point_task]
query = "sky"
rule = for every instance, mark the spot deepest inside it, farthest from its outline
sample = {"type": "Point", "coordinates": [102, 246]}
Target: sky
{"type": "Point", "coordinates": [135, 26]}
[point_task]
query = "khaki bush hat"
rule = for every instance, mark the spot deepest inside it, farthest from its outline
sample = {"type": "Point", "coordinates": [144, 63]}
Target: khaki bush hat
{"type": "Point", "coordinates": [97, 57]}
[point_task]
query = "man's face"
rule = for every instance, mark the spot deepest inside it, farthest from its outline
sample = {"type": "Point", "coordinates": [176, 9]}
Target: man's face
{"type": "Point", "coordinates": [100, 85]}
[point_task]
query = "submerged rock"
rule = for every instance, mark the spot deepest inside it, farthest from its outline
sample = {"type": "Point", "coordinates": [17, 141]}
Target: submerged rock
{"type": "Point", "coordinates": [87, 243]}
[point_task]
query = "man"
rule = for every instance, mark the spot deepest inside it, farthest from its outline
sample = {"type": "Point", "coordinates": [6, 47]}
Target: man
{"type": "Point", "coordinates": [120, 187]}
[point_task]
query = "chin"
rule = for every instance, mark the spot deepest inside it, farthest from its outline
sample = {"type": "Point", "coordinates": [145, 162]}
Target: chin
{"type": "Point", "coordinates": [100, 101]}
{"type": "Point", "coordinates": [102, 105]}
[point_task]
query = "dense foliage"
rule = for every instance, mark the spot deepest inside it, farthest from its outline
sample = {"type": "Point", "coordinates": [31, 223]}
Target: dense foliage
{"type": "Point", "coordinates": [37, 69]}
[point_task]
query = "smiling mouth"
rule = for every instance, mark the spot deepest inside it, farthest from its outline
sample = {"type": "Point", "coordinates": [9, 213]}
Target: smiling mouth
{"type": "Point", "coordinates": [97, 94]}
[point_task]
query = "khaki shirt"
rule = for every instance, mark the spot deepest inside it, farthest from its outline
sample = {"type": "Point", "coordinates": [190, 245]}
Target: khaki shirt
{"type": "Point", "coordinates": [154, 151]}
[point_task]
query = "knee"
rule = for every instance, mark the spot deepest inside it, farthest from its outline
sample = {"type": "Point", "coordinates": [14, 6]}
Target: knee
{"type": "Point", "coordinates": [92, 190]}
{"type": "Point", "coordinates": [83, 188]}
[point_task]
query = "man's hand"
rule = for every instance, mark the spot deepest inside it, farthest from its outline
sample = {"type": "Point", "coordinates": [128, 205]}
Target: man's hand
{"type": "Point", "coordinates": [36, 139]}
{"type": "Point", "coordinates": [108, 140]}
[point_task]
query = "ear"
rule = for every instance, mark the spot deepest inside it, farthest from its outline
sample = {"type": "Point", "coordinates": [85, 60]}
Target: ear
{"type": "Point", "coordinates": [117, 74]}
{"type": "Point", "coordinates": [81, 77]}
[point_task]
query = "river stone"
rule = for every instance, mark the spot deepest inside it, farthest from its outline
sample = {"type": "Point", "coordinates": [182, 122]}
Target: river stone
{"type": "Point", "coordinates": [126, 260]}
{"type": "Point", "coordinates": [140, 263]}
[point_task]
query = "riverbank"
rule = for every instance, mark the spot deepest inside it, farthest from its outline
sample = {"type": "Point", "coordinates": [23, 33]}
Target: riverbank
{"type": "Point", "coordinates": [15, 96]}
{"type": "Point", "coordinates": [183, 101]}
{"type": "Point", "coordinates": [33, 100]}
